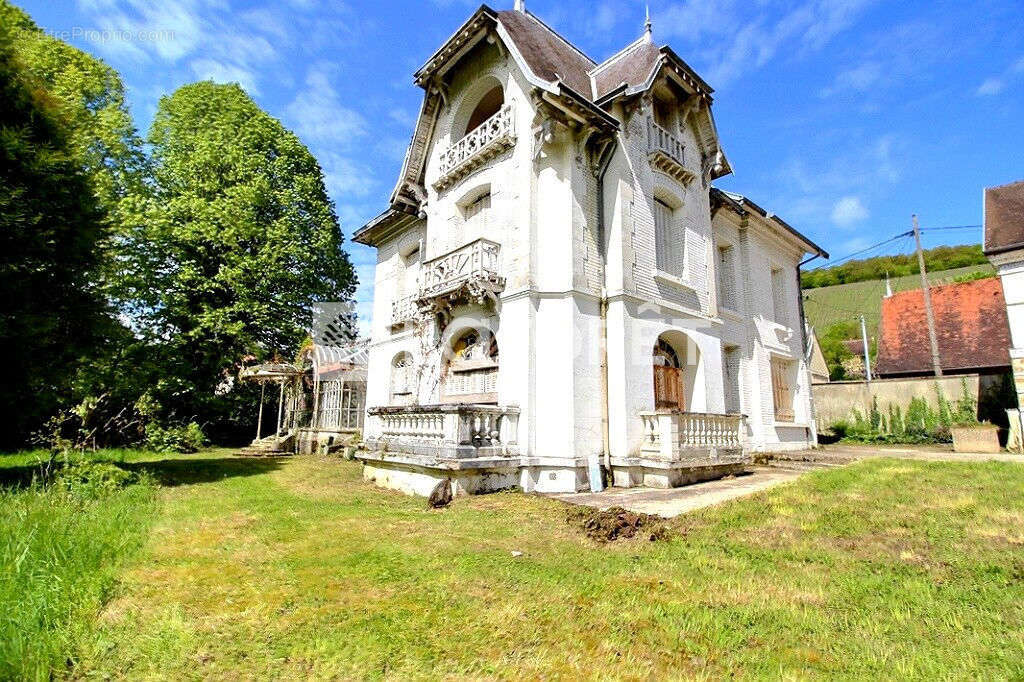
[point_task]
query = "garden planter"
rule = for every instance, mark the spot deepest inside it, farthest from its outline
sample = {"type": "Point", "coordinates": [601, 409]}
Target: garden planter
{"type": "Point", "coordinates": [980, 438]}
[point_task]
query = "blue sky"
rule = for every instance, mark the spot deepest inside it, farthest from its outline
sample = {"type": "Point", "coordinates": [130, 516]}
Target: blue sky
{"type": "Point", "coordinates": [842, 116]}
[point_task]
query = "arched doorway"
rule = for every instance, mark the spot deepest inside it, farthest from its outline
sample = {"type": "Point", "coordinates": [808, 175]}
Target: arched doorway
{"type": "Point", "coordinates": [674, 361]}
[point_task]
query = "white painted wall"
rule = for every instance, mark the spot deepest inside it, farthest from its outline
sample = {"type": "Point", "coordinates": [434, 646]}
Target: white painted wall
{"type": "Point", "coordinates": [544, 216]}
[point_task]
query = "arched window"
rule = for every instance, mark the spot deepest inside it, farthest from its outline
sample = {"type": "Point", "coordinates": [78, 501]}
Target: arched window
{"type": "Point", "coordinates": [401, 379]}
{"type": "Point", "coordinates": [665, 355]}
{"type": "Point", "coordinates": [471, 372]}
{"type": "Point", "coordinates": [488, 106]}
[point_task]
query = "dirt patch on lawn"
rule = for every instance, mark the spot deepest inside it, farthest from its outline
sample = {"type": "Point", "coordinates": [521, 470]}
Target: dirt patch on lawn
{"type": "Point", "coordinates": [616, 523]}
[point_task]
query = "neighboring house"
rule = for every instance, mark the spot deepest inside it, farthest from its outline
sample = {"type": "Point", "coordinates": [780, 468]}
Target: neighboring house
{"type": "Point", "coordinates": [559, 287]}
{"type": "Point", "coordinates": [1004, 246]}
{"type": "Point", "coordinates": [970, 325]}
{"type": "Point", "coordinates": [816, 363]}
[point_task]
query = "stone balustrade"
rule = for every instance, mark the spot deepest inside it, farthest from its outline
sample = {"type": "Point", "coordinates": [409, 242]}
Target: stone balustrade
{"type": "Point", "coordinates": [671, 435]}
{"type": "Point", "coordinates": [667, 153]}
{"type": "Point", "coordinates": [474, 265]}
{"type": "Point", "coordinates": [480, 145]}
{"type": "Point", "coordinates": [445, 431]}
{"type": "Point", "coordinates": [403, 310]}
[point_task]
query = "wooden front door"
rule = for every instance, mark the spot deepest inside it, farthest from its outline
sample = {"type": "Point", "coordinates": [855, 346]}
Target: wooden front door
{"type": "Point", "coordinates": [668, 388]}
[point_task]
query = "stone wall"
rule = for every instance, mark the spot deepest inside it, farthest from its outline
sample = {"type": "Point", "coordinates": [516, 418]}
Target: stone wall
{"type": "Point", "coordinates": [836, 400]}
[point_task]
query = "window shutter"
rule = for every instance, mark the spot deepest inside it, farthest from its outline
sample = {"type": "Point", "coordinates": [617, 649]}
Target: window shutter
{"type": "Point", "coordinates": [731, 363]}
{"type": "Point", "coordinates": [669, 247]}
{"type": "Point", "coordinates": [779, 296]}
{"type": "Point", "coordinates": [782, 392]}
{"type": "Point", "coordinates": [726, 278]}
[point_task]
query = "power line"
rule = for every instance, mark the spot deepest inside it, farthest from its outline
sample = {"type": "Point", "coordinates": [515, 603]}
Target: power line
{"type": "Point", "coordinates": [842, 260]}
{"type": "Point", "coordinates": [952, 227]}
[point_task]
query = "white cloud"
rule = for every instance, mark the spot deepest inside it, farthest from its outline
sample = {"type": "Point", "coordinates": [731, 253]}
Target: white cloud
{"type": "Point", "coordinates": [344, 177]}
{"type": "Point", "coordinates": [319, 116]}
{"type": "Point", "coordinates": [996, 84]}
{"type": "Point", "coordinates": [219, 72]}
{"type": "Point", "coordinates": [736, 37]}
{"type": "Point", "coordinates": [403, 117]}
{"type": "Point", "coordinates": [605, 18]}
{"type": "Point", "coordinates": [849, 210]}
{"type": "Point", "coordinates": [854, 80]}
{"type": "Point", "coordinates": [991, 86]}
{"type": "Point", "coordinates": [202, 31]}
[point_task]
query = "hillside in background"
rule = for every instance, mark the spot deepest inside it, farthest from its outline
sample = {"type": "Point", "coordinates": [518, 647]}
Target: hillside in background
{"type": "Point", "coordinates": [827, 305]}
{"type": "Point", "coordinates": [897, 265]}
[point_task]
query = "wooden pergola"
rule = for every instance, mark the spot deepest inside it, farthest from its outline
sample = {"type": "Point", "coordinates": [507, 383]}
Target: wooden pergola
{"type": "Point", "coordinates": [271, 373]}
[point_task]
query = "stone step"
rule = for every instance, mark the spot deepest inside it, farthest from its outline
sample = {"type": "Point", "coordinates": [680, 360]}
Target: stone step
{"type": "Point", "coordinates": [254, 452]}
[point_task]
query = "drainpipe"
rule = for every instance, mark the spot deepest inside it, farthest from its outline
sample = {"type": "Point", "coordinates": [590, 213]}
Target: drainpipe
{"type": "Point", "coordinates": [602, 168]}
{"type": "Point", "coordinates": [806, 342]}
{"type": "Point", "coordinates": [800, 300]}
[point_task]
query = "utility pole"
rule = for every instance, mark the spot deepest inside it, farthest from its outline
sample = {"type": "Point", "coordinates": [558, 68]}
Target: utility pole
{"type": "Point", "coordinates": [867, 349]}
{"type": "Point", "coordinates": [929, 313]}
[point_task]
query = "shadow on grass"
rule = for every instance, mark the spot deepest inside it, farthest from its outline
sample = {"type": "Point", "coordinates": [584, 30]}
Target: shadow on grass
{"type": "Point", "coordinates": [166, 472]}
{"type": "Point", "coordinates": [173, 472]}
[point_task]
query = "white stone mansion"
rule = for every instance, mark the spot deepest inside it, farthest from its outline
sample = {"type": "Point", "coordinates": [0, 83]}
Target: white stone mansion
{"type": "Point", "coordinates": [560, 293]}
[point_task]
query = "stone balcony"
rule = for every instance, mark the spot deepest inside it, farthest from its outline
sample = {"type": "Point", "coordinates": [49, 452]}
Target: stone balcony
{"type": "Point", "coordinates": [683, 447]}
{"type": "Point", "coordinates": [451, 432]}
{"type": "Point", "coordinates": [472, 270]}
{"type": "Point", "coordinates": [416, 448]}
{"type": "Point", "coordinates": [403, 310]}
{"type": "Point", "coordinates": [667, 153]}
{"type": "Point", "coordinates": [480, 145]}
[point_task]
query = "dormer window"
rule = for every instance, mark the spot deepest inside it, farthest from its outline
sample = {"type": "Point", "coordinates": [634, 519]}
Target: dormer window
{"type": "Point", "coordinates": [481, 130]}
{"type": "Point", "coordinates": [489, 105]}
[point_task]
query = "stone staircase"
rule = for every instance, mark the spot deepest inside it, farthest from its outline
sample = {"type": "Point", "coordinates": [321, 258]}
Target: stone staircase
{"type": "Point", "coordinates": [271, 446]}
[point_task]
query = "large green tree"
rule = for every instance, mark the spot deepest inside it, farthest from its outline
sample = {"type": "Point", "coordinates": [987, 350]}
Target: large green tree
{"type": "Point", "coordinates": [91, 96]}
{"type": "Point", "coordinates": [87, 97]}
{"type": "Point", "coordinates": [238, 242]}
{"type": "Point", "coordinates": [51, 312]}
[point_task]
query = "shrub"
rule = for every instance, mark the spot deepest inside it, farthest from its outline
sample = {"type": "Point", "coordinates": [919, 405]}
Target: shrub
{"type": "Point", "coordinates": [89, 479]}
{"type": "Point", "coordinates": [176, 438]}
{"type": "Point", "coordinates": [919, 424]}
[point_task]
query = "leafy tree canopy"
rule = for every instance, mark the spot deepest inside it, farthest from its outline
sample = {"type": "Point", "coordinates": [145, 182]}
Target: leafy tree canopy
{"type": "Point", "coordinates": [51, 312]}
{"type": "Point", "coordinates": [237, 242]}
{"type": "Point", "coordinates": [94, 113]}
{"type": "Point", "coordinates": [834, 349]}
{"type": "Point", "coordinates": [939, 258]}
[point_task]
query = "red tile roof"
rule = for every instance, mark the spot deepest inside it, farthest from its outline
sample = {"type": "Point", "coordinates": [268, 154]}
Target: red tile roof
{"type": "Point", "coordinates": [1004, 217]}
{"type": "Point", "coordinates": [970, 323]}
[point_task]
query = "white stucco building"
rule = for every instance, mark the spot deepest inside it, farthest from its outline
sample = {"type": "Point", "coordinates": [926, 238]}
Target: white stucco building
{"type": "Point", "coordinates": [560, 290]}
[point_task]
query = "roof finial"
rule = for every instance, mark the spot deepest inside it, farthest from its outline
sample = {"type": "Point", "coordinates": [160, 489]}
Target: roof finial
{"type": "Point", "coordinates": [648, 26]}
{"type": "Point", "coordinates": [520, 5]}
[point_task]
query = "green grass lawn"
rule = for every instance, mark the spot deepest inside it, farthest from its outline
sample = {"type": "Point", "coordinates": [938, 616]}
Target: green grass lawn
{"type": "Point", "coordinates": [825, 305]}
{"type": "Point", "coordinates": [295, 569]}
